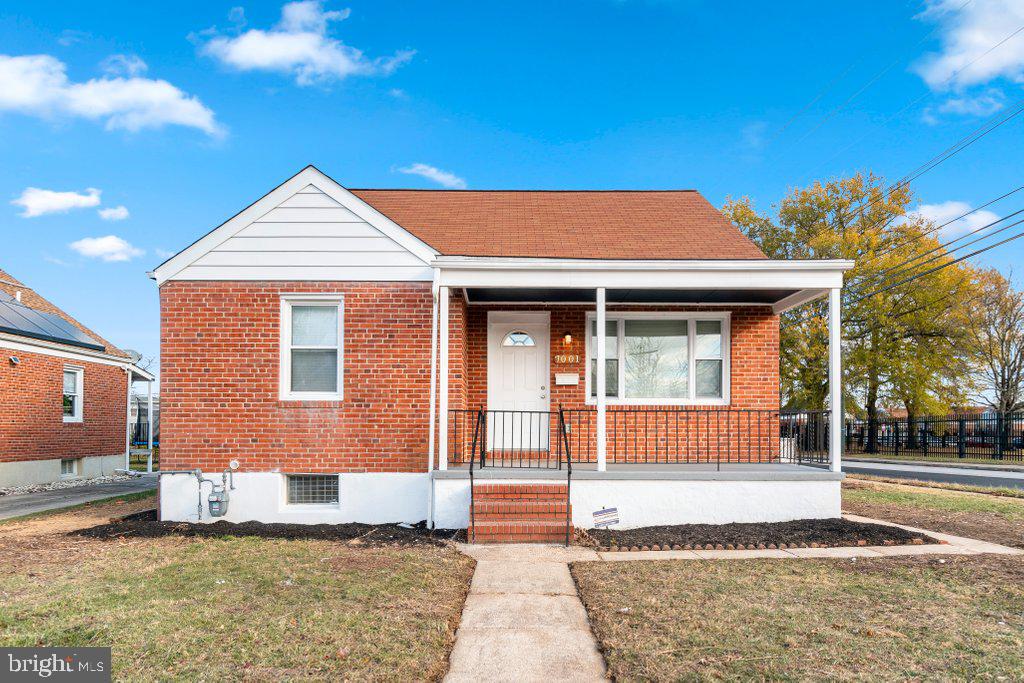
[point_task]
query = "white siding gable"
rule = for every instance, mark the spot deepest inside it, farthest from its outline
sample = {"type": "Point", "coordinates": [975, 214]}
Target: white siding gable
{"type": "Point", "coordinates": [303, 234]}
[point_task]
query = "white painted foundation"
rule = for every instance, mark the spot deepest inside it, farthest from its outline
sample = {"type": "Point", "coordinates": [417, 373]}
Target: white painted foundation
{"type": "Point", "coordinates": [402, 497]}
{"type": "Point", "coordinates": [652, 502]}
{"type": "Point", "coordinates": [28, 472]}
{"type": "Point", "coordinates": [373, 498]}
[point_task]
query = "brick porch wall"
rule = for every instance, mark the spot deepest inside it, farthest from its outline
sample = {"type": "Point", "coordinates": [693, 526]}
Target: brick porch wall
{"type": "Point", "coordinates": [32, 423]}
{"type": "Point", "coordinates": [220, 367]}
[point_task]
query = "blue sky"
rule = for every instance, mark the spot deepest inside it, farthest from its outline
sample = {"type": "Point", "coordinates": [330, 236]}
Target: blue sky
{"type": "Point", "coordinates": [184, 117]}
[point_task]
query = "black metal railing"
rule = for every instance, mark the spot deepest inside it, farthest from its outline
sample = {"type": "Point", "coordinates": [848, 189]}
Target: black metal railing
{"type": "Point", "coordinates": [637, 435]}
{"type": "Point", "coordinates": [563, 438]}
{"type": "Point", "coordinates": [987, 436]}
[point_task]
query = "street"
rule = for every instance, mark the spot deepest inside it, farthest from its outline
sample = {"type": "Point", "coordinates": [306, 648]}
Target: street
{"type": "Point", "coordinates": [950, 475]}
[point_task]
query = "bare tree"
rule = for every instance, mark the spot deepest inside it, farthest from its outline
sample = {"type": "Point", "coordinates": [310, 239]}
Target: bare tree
{"type": "Point", "coordinates": [996, 333]}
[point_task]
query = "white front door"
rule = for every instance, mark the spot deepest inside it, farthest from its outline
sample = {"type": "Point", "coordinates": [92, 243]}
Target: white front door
{"type": "Point", "coordinates": [518, 376]}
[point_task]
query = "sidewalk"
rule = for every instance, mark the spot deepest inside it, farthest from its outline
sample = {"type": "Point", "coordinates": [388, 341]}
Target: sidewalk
{"type": "Point", "coordinates": [20, 504]}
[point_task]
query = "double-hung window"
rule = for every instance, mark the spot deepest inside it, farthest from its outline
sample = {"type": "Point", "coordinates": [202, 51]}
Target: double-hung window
{"type": "Point", "coordinates": [312, 343]}
{"type": "Point", "coordinates": [73, 394]}
{"type": "Point", "coordinates": [662, 358]}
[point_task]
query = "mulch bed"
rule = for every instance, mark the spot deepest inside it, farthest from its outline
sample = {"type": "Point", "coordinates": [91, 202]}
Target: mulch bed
{"type": "Point", "coordinates": [145, 525]}
{"type": "Point", "coordinates": [801, 533]}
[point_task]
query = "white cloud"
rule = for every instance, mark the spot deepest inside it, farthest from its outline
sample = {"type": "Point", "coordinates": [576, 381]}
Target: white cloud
{"type": "Point", "coordinates": [442, 178]}
{"type": "Point", "coordinates": [109, 248]}
{"type": "Point", "coordinates": [115, 213]}
{"type": "Point", "coordinates": [968, 31]}
{"type": "Point", "coordinates": [124, 65]}
{"type": "Point", "coordinates": [38, 85]}
{"type": "Point", "coordinates": [38, 202]}
{"type": "Point", "coordinates": [299, 45]}
{"type": "Point", "coordinates": [164, 253]}
{"type": "Point", "coordinates": [947, 211]}
{"type": "Point", "coordinates": [985, 104]}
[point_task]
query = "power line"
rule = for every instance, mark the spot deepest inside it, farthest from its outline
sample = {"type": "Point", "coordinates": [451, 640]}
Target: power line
{"type": "Point", "coordinates": [900, 267]}
{"type": "Point", "coordinates": [944, 265]}
{"type": "Point", "coordinates": [936, 228]}
{"type": "Point", "coordinates": [917, 100]}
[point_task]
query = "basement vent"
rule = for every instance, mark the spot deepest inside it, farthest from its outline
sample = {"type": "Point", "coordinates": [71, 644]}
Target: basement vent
{"type": "Point", "coordinates": [316, 489]}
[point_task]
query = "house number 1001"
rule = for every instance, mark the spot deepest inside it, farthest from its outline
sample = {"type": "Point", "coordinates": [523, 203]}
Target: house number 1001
{"type": "Point", "coordinates": [567, 358]}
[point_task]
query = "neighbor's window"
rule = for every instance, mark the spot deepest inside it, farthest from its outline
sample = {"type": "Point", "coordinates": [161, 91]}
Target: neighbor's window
{"type": "Point", "coordinates": [312, 489]}
{"type": "Point", "coordinates": [311, 362]}
{"type": "Point", "coordinates": [72, 396]}
{"type": "Point", "coordinates": [662, 358]}
{"type": "Point", "coordinates": [68, 467]}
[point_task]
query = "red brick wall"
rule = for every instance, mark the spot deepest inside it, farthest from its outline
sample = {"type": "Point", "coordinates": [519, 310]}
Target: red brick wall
{"type": "Point", "coordinates": [739, 433]}
{"type": "Point", "coordinates": [32, 423]}
{"type": "Point", "coordinates": [219, 380]}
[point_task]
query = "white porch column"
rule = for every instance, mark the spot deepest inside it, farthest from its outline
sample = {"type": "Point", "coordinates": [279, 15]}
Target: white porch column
{"type": "Point", "coordinates": [602, 446]}
{"type": "Point", "coordinates": [835, 381]}
{"type": "Point", "coordinates": [149, 424]}
{"type": "Point", "coordinates": [442, 431]}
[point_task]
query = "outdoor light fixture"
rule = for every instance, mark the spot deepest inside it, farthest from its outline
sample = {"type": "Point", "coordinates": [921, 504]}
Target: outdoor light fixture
{"type": "Point", "coordinates": [14, 360]}
{"type": "Point", "coordinates": [567, 339]}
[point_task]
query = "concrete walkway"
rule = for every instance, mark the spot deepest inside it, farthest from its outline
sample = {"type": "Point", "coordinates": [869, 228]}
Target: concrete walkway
{"type": "Point", "coordinates": [523, 620]}
{"type": "Point", "coordinates": [20, 504]}
{"type": "Point", "coordinates": [950, 473]}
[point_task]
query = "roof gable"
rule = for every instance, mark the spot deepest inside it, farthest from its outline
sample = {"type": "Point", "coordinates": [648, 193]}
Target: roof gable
{"type": "Point", "coordinates": [643, 225]}
{"type": "Point", "coordinates": [309, 227]}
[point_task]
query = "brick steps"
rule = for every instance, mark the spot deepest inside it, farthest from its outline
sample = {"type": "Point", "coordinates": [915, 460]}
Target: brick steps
{"type": "Point", "coordinates": [519, 513]}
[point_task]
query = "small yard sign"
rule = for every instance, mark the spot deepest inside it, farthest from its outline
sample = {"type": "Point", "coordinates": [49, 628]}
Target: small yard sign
{"type": "Point", "coordinates": [606, 517]}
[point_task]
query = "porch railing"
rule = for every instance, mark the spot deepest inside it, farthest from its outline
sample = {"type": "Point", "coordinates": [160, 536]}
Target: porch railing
{"type": "Point", "coordinates": [635, 435]}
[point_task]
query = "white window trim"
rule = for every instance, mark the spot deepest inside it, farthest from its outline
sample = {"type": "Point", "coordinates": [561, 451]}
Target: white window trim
{"type": "Point", "coordinates": [287, 301]}
{"type": "Point", "coordinates": [79, 415]}
{"type": "Point", "coordinates": [691, 317]}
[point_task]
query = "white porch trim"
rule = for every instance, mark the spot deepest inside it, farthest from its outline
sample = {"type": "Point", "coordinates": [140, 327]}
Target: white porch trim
{"type": "Point", "coordinates": [835, 380]}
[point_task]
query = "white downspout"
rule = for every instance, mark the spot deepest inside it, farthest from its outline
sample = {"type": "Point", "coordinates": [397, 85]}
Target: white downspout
{"type": "Point", "coordinates": [602, 446]}
{"type": "Point", "coordinates": [149, 425]}
{"type": "Point", "coordinates": [835, 380]}
{"type": "Point", "coordinates": [128, 421]}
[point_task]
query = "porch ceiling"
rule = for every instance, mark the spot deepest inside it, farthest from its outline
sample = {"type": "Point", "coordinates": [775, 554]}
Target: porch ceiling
{"type": "Point", "coordinates": [480, 295]}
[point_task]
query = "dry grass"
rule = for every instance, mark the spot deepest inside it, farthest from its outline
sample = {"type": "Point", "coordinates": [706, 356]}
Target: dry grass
{"type": "Point", "coordinates": [999, 519]}
{"type": "Point", "coordinates": [877, 619]}
{"type": "Point", "coordinates": [235, 608]}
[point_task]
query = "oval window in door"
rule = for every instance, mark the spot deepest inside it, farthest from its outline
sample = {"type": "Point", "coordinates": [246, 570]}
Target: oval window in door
{"type": "Point", "coordinates": [518, 338]}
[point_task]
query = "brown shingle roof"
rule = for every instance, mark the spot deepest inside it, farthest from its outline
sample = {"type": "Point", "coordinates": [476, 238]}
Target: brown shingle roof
{"type": "Point", "coordinates": [678, 224]}
{"type": "Point", "coordinates": [29, 297]}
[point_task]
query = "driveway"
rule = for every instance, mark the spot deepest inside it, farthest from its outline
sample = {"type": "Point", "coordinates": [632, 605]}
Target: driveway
{"type": "Point", "coordinates": [19, 504]}
{"type": "Point", "coordinates": [950, 475]}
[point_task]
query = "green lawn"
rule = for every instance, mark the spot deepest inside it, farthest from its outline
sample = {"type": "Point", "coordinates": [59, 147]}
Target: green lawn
{"type": "Point", "coordinates": [877, 619]}
{"type": "Point", "coordinates": [996, 518]}
{"type": "Point", "coordinates": [232, 608]}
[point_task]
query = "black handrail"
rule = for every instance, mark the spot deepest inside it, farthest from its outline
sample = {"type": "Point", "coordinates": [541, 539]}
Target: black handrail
{"type": "Point", "coordinates": [472, 459]}
{"type": "Point", "coordinates": [564, 436]}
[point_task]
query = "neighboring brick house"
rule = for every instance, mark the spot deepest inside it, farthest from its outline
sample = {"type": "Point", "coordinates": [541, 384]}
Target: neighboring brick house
{"type": "Point", "coordinates": [63, 393]}
{"type": "Point", "coordinates": [360, 355]}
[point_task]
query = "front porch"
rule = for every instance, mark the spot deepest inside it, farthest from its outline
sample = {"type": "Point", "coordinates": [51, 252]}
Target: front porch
{"type": "Point", "coordinates": [650, 387]}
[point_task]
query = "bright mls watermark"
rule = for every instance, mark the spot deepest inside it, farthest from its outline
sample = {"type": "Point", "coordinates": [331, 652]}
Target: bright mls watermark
{"type": "Point", "coordinates": [84, 664]}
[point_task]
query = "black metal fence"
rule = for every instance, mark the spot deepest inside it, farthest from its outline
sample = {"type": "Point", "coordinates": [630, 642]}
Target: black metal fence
{"type": "Point", "coordinates": [988, 436]}
{"type": "Point", "coordinates": [636, 435]}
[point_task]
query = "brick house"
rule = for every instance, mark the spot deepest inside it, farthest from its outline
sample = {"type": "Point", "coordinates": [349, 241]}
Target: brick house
{"type": "Point", "coordinates": [63, 393]}
{"type": "Point", "coordinates": [401, 355]}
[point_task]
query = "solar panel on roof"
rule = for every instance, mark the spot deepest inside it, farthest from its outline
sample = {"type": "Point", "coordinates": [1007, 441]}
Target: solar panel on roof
{"type": "Point", "coordinates": [19, 319]}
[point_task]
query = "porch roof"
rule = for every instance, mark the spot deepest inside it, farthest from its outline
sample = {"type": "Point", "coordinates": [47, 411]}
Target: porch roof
{"type": "Point", "coordinates": [780, 284]}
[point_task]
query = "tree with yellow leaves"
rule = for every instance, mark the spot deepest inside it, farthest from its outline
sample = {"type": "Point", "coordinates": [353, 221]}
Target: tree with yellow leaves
{"type": "Point", "coordinates": [903, 329]}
